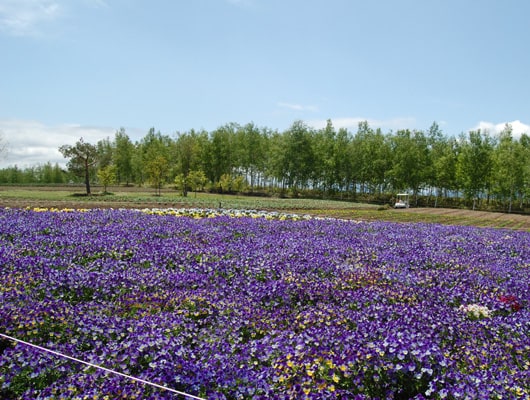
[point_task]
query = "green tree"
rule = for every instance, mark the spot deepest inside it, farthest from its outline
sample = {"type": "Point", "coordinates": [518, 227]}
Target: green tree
{"type": "Point", "coordinates": [342, 162]}
{"type": "Point", "coordinates": [45, 173]}
{"type": "Point", "coordinates": [509, 166]}
{"type": "Point", "coordinates": [123, 156]}
{"type": "Point", "coordinates": [225, 183]}
{"type": "Point", "coordinates": [107, 176]}
{"type": "Point", "coordinates": [83, 157]}
{"type": "Point", "coordinates": [14, 175]}
{"type": "Point", "coordinates": [187, 154]}
{"type": "Point", "coordinates": [325, 157]}
{"type": "Point", "coordinates": [105, 149]}
{"type": "Point", "coordinates": [436, 143]}
{"type": "Point", "coordinates": [251, 151]}
{"type": "Point", "coordinates": [57, 174]}
{"type": "Point", "coordinates": [524, 141]}
{"type": "Point", "coordinates": [157, 169]}
{"type": "Point", "coordinates": [475, 164]}
{"type": "Point", "coordinates": [371, 158]}
{"type": "Point", "coordinates": [197, 180]}
{"type": "Point", "coordinates": [380, 161]}
{"type": "Point", "coordinates": [276, 165]}
{"type": "Point", "coordinates": [222, 150]}
{"type": "Point", "coordinates": [410, 160]}
{"type": "Point", "coordinates": [298, 157]}
{"type": "Point", "coordinates": [152, 146]}
{"type": "Point", "coordinates": [180, 181]}
{"type": "Point", "coordinates": [361, 155]}
{"type": "Point", "coordinates": [239, 184]}
{"type": "Point", "coordinates": [444, 166]}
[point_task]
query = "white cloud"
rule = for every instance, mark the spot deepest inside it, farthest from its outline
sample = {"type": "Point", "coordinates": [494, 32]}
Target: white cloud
{"type": "Point", "coordinates": [518, 128]}
{"type": "Point", "coordinates": [298, 107]}
{"type": "Point", "coordinates": [352, 123]}
{"type": "Point", "coordinates": [31, 143]}
{"type": "Point", "coordinates": [25, 17]}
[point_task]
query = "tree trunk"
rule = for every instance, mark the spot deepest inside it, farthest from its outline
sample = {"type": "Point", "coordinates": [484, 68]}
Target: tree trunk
{"type": "Point", "coordinates": [87, 179]}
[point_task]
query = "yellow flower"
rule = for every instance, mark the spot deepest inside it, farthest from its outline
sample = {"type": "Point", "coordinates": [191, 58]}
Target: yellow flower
{"type": "Point", "coordinates": [335, 378]}
{"type": "Point", "coordinates": [519, 391]}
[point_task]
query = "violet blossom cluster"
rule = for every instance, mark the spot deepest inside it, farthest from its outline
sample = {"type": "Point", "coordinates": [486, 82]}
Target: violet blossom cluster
{"type": "Point", "coordinates": [261, 308]}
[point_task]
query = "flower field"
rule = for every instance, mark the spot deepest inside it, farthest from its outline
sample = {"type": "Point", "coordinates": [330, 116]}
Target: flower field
{"type": "Point", "coordinates": [257, 305]}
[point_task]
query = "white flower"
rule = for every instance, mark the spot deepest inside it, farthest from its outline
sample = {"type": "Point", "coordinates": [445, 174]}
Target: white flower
{"type": "Point", "coordinates": [476, 311]}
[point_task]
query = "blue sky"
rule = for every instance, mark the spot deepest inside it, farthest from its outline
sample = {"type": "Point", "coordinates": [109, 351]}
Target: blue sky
{"type": "Point", "coordinates": [73, 68]}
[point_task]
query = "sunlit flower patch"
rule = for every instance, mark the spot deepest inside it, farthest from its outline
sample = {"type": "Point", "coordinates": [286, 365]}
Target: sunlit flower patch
{"type": "Point", "coordinates": [250, 305]}
{"type": "Point", "coordinates": [211, 213]}
{"type": "Point", "coordinates": [475, 311]}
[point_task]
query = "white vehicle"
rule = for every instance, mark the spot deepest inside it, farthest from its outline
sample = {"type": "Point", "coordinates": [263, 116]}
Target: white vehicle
{"type": "Point", "coordinates": [402, 200]}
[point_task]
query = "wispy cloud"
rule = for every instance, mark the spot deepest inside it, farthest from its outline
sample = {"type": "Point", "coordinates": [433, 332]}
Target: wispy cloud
{"type": "Point", "coordinates": [298, 107]}
{"type": "Point", "coordinates": [518, 128]}
{"type": "Point", "coordinates": [31, 143]}
{"type": "Point", "coordinates": [25, 17]}
{"type": "Point", "coordinates": [352, 123]}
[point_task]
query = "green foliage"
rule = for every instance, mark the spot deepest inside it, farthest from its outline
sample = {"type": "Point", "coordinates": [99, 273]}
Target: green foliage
{"type": "Point", "coordinates": [151, 159]}
{"type": "Point", "coordinates": [27, 379]}
{"type": "Point", "coordinates": [410, 160]}
{"type": "Point", "coordinates": [157, 170]}
{"type": "Point", "coordinates": [475, 164]}
{"type": "Point", "coordinates": [107, 176]}
{"type": "Point", "coordinates": [239, 184]}
{"type": "Point", "coordinates": [82, 158]}
{"type": "Point", "coordinates": [39, 174]}
{"type": "Point", "coordinates": [123, 156]}
{"type": "Point", "coordinates": [230, 184]}
{"type": "Point", "coordinates": [181, 183]}
{"type": "Point", "coordinates": [197, 180]}
{"type": "Point", "coordinates": [303, 161]}
{"type": "Point", "coordinates": [225, 183]}
{"type": "Point", "coordinates": [372, 162]}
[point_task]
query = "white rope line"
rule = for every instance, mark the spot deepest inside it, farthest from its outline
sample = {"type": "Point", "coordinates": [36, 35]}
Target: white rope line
{"type": "Point", "coordinates": [100, 367]}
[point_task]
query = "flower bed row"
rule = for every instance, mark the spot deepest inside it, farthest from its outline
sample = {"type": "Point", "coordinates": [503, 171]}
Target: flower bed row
{"type": "Point", "coordinates": [272, 307]}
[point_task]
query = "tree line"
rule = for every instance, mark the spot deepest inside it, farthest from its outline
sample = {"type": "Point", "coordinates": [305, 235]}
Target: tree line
{"type": "Point", "coordinates": [475, 168]}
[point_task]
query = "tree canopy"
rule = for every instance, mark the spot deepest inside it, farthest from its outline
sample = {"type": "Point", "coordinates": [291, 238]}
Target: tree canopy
{"type": "Point", "coordinates": [82, 158]}
{"type": "Point", "coordinates": [476, 167]}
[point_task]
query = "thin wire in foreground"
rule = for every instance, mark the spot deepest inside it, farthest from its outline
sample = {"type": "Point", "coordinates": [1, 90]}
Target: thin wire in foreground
{"type": "Point", "coordinates": [190, 396]}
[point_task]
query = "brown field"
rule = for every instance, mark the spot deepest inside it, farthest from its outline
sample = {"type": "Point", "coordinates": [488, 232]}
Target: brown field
{"type": "Point", "coordinates": [481, 218]}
